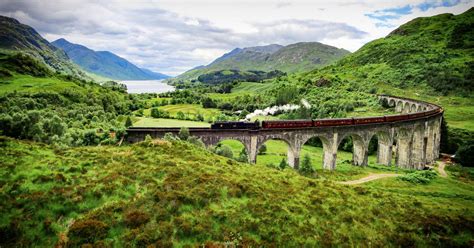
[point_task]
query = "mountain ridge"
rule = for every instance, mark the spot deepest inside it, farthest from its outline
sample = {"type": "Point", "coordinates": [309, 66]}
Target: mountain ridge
{"type": "Point", "coordinates": [297, 57]}
{"type": "Point", "coordinates": [105, 63]}
{"type": "Point", "coordinates": [15, 36]}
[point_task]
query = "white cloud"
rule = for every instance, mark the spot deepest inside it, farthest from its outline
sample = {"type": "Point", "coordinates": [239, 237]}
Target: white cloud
{"type": "Point", "coordinates": [173, 36]}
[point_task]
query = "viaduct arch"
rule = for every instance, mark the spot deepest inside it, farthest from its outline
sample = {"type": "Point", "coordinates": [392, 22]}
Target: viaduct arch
{"type": "Point", "coordinates": [414, 141]}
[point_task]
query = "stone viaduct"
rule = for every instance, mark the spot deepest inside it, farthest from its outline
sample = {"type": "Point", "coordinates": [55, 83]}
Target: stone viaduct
{"type": "Point", "coordinates": [410, 143]}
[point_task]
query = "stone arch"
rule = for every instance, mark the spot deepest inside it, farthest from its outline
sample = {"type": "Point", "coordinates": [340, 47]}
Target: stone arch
{"type": "Point", "coordinates": [360, 147]}
{"type": "Point", "coordinates": [406, 108]}
{"type": "Point", "coordinates": [293, 152]}
{"type": "Point", "coordinates": [432, 140]}
{"type": "Point", "coordinates": [329, 154]}
{"type": "Point", "coordinates": [384, 146]}
{"type": "Point", "coordinates": [243, 142]}
{"type": "Point", "coordinates": [419, 147]}
{"type": "Point", "coordinates": [392, 103]}
{"type": "Point", "coordinates": [419, 109]}
{"type": "Point", "coordinates": [404, 141]}
{"type": "Point", "coordinates": [399, 106]}
{"type": "Point", "coordinates": [413, 108]}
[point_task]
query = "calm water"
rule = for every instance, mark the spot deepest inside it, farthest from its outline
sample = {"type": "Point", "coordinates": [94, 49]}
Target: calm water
{"type": "Point", "coordinates": [147, 86]}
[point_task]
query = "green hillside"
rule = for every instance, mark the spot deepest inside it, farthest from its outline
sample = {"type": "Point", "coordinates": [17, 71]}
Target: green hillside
{"type": "Point", "coordinates": [298, 57]}
{"type": "Point", "coordinates": [166, 193]}
{"type": "Point", "coordinates": [15, 36]}
{"type": "Point", "coordinates": [435, 53]}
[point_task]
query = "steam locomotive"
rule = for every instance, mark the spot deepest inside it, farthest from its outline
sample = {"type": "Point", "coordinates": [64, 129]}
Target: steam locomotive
{"type": "Point", "coordinates": [322, 122]}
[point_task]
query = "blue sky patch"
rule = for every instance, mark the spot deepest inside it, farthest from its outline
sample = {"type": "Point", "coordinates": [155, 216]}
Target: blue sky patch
{"type": "Point", "coordinates": [383, 16]}
{"type": "Point", "coordinates": [435, 4]}
{"type": "Point", "coordinates": [390, 13]}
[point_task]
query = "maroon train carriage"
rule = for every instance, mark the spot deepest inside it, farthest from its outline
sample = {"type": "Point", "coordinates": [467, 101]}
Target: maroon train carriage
{"type": "Point", "coordinates": [369, 120]}
{"type": "Point", "coordinates": [333, 122]}
{"type": "Point", "coordinates": [393, 118]}
{"type": "Point", "coordinates": [417, 115]}
{"type": "Point", "coordinates": [287, 124]}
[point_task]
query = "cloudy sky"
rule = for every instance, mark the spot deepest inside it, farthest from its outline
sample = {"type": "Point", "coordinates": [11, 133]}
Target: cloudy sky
{"type": "Point", "coordinates": [176, 35]}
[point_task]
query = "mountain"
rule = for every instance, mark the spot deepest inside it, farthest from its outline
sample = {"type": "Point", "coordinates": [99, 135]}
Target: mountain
{"type": "Point", "coordinates": [303, 56]}
{"type": "Point", "coordinates": [18, 37]}
{"type": "Point", "coordinates": [435, 52]}
{"type": "Point", "coordinates": [105, 63]}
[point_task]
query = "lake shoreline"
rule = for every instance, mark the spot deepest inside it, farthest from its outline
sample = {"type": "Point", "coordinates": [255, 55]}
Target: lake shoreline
{"type": "Point", "coordinates": [147, 86]}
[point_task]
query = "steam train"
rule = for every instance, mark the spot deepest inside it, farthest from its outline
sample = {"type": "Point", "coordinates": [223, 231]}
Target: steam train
{"type": "Point", "coordinates": [322, 122]}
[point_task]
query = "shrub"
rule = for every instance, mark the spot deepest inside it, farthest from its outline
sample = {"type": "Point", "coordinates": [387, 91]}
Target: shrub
{"type": "Point", "coordinates": [419, 177]}
{"type": "Point", "coordinates": [243, 156]}
{"type": "Point", "coordinates": [87, 231]}
{"type": "Point", "coordinates": [224, 150]}
{"type": "Point", "coordinates": [136, 218]}
{"type": "Point", "coordinates": [196, 141]}
{"type": "Point", "coordinates": [169, 137]}
{"type": "Point", "coordinates": [306, 167]}
{"type": "Point", "coordinates": [128, 122]}
{"type": "Point", "coordinates": [262, 149]}
{"type": "Point", "coordinates": [465, 155]}
{"type": "Point", "coordinates": [183, 133]}
{"type": "Point", "coordinates": [283, 164]}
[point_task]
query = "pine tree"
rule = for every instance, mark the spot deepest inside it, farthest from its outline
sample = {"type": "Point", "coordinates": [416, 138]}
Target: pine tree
{"type": "Point", "coordinates": [128, 122]}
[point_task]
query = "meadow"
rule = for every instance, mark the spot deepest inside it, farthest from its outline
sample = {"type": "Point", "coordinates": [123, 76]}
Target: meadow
{"type": "Point", "coordinates": [160, 122]}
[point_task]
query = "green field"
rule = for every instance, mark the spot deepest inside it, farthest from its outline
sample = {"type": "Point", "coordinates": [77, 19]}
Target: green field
{"type": "Point", "coordinates": [191, 110]}
{"type": "Point", "coordinates": [242, 88]}
{"type": "Point", "coordinates": [158, 122]}
{"type": "Point", "coordinates": [27, 83]}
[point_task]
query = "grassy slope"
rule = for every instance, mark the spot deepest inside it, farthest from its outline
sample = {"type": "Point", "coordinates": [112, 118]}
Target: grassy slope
{"type": "Point", "coordinates": [179, 194]}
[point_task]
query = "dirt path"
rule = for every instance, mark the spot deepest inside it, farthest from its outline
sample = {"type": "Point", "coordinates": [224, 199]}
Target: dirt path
{"type": "Point", "coordinates": [441, 170]}
{"type": "Point", "coordinates": [369, 178]}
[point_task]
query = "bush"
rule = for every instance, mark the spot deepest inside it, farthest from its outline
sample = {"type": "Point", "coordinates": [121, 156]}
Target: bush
{"type": "Point", "coordinates": [128, 122]}
{"type": "Point", "coordinates": [136, 218]}
{"type": "Point", "coordinates": [196, 141]}
{"type": "Point", "coordinates": [283, 164]}
{"type": "Point", "coordinates": [224, 150]}
{"type": "Point", "coordinates": [306, 167]}
{"type": "Point", "coordinates": [243, 157]}
{"type": "Point", "coordinates": [419, 177]}
{"type": "Point", "coordinates": [465, 155]}
{"type": "Point", "coordinates": [87, 231]}
{"type": "Point", "coordinates": [183, 133]}
{"type": "Point", "coordinates": [262, 149]}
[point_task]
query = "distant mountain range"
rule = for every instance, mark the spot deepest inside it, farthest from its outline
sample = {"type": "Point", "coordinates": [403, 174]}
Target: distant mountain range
{"type": "Point", "coordinates": [105, 63]}
{"type": "Point", "coordinates": [18, 37]}
{"type": "Point", "coordinates": [303, 56]}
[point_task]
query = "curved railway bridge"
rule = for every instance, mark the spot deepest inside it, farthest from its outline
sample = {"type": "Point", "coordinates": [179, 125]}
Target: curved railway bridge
{"type": "Point", "coordinates": [412, 136]}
